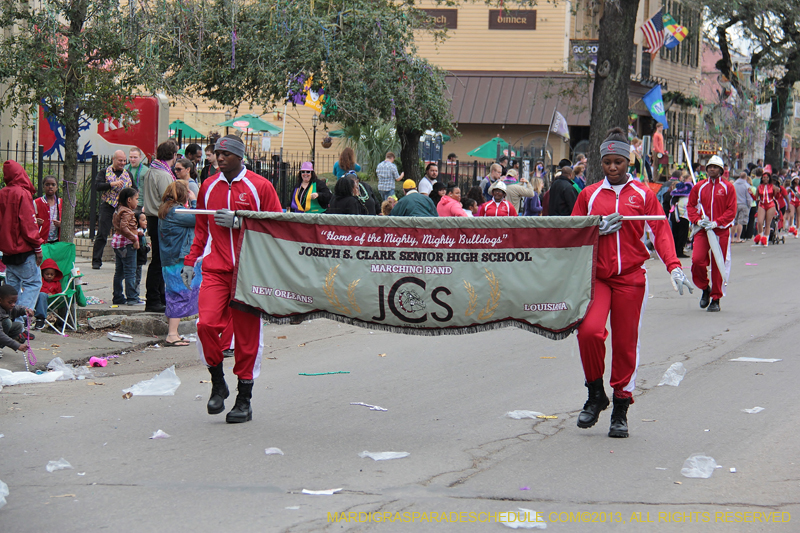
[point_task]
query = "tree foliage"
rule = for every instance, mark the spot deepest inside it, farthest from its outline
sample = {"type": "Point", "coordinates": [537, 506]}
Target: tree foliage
{"type": "Point", "coordinates": [772, 29]}
{"type": "Point", "coordinates": [77, 57]}
{"type": "Point", "coordinates": [360, 53]}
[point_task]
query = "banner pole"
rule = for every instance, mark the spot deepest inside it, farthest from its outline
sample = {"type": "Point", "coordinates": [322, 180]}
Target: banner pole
{"type": "Point", "coordinates": [688, 162]}
{"type": "Point", "coordinates": [550, 127]}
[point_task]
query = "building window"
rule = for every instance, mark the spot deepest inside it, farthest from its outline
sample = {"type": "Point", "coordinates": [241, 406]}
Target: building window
{"type": "Point", "coordinates": [645, 65]}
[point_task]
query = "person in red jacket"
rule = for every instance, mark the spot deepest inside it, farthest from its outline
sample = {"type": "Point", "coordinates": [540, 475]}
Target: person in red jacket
{"type": "Point", "coordinates": [498, 206]}
{"type": "Point", "coordinates": [19, 235]}
{"type": "Point", "coordinates": [48, 211]}
{"type": "Point", "coordinates": [51, 284]}
{"type": "Point", "coordinates": [233, 188]}
{"type": "Point", "coordinates": [621, 284]}
{"type": "Point", "coordinates": [712, 206]}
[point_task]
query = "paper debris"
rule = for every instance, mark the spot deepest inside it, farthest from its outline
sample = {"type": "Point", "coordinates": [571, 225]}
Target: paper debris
{"type": "Point", "coordinates": [327, 492]}
{"type": "Point", "coordinates": [66, 416]}
{"type": "Point", "coordinates": [119, 337]}
{"type": "Point", "coordinates": [371, 407]}
{"type": "Point", "coordinates": [383, 456]}
{"type": "Point", "coordinates": [523, 519]}
{"type": "Point", "coordinates": [519, 415]}
{"type": "Point", "coordinates": [751, 264]}
{"type": "Point", "coordinates": [649, 420]}
{"type": "Point", "coordinates": [698, 465]}
{"type": "Point", "coordinates": [81, 473]}
{"type": "Point", "coordinates": [673, 375]}
{"type": "Point", "coordinates": [273, 451]}
{"type": "Point", "coordinates": [159, 435]}
{"type": "Point", "coordinates": [64, 496]}
{"type": "Point", "coordinates": [547, 357]}
{"type": "Point", "coordinates": [282, 337]}
{"type": "Point", "coordinates": [733, 470]}
{"type": "Point", "coordinates": [547, 417]}
{"type": "Point", "coordinates": [755, 360]}
{"type": "Point", "coordinates": [754, 410]}
{"type": "Point", "coordinates": [381, 355]}
{"type": "Point", "coordinates": [164, 384]}
{"type": "Point", "coordinates": [293, 508]}
{"type": "Point", "coordinates": [127, 396]}
{"type": "Point", "coordinates": [61, 464]}
{"type": "Point", "coordinates": [678, 483]}
{"type": "Point", "coordinates": [660, 468]}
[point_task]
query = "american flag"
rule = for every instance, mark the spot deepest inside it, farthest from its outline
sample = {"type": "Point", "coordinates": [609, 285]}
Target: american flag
{"type": "Point", "coordinates": [653, 31]}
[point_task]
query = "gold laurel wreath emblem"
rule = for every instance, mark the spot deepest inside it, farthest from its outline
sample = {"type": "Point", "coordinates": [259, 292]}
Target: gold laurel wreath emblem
{"type": "Point", "coordinates": [330, 292]}
{"type": "Point", "coordinates": [491, 304]}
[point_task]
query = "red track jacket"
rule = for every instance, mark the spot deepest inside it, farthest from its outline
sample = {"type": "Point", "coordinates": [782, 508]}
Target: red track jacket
{"type": "Point", "coordinates": [20, 233]}
{"type": "Point", "coordinates": [624, 251]}
{"type": "Point", "coordinates": [248, 192]}
{"type": "Point", "coordinates": [714, 198]}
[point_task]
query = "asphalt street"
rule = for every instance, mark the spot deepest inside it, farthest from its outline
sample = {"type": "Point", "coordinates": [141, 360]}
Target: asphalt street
{"type": "Point", "coordinates": [446, 399]}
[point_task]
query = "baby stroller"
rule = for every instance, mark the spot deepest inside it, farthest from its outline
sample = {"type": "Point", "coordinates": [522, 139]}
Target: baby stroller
{"type": "Point", "coordinates": [776, 235]}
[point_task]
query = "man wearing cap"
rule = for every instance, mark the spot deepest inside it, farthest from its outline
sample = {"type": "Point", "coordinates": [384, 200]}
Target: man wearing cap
{"type": "Point", "coordinates": [712, 206]}
{"type": "Point", "coordinates": [563, 194]}
{"type": "Point", "coordinates": [498, 206]}
{"type": "Point", "coordinates": [233, 189]}
{"type": "Point", "coordinates": [414, 204]}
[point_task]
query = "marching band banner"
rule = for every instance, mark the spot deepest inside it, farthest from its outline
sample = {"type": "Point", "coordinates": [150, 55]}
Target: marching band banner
{"type": "Point", "coordinates": [424, 276]}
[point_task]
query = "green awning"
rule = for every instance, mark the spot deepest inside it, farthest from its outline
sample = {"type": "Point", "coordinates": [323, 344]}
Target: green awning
{"type": "Point", "coordinates": [489, 149]}
{"type": "Point", "coordinates": [187, 132]}
{"type": "Point", "coordinates": [251, 124]}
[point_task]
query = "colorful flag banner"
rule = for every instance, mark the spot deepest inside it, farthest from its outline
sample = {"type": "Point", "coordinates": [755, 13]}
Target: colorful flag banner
{"type": "Point", "coordinates": [675, 29]}
{"type": "Point", "coordinates": [314, 99]}
{"type": "Point", "coordinates": [424, 276]}
{"type": "Point", "coordinates": [653, 31]}
{"type": "Point", "coordinates": [560, 126]}
{"type": "Point", "coordinates": [655, 104]}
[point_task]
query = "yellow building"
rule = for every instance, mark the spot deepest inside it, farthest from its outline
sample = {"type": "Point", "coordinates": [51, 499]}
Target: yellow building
{"type": "Point", "coordinates": [509, 70]}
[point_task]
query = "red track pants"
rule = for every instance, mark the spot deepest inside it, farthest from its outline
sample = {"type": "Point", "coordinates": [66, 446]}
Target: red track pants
{"type": "Point", "coordinates": [215, 318]}
{"type": "Point", "coordinates": [625, 298]}
{"type": "Point", "coordinates": [701, 257]}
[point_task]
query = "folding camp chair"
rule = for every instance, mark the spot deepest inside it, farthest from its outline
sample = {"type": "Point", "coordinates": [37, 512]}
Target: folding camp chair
{"type": "Point", "coordinates": [64, 304]}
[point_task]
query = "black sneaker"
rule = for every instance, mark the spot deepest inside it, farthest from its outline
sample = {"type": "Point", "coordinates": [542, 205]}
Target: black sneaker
{"type": "Point", "coordinates": [227, 353]}
{"type": "Point", "coordinates": [25, 337]}
{"type": "Point", "coordinates": [714, 306]}
{"type": "Point", "coordinates": [39, 324]}
{"type": "Point", "coordinates": [706, 298]}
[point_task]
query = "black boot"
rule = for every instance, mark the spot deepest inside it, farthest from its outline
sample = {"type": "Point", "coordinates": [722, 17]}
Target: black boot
{"type": "Point", "coordinates": [219, 390]}
{"type": "Point", "coordinates": [242, 412]}
{"type": "Point", "coordinates": [597, 402]}
{"type": "Point", "coordinates": [619, 418]}
{"type": "Point", "coordinates": [705, 298]}
{"type": "Point", "coordinates": [714, 307]}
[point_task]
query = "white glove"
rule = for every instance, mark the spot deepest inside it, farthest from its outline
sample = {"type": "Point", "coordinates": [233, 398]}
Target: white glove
{"type": "Point", "coordinates": [187, 275]}
{"type": "Point", "coordinates": [679, 280]}
{"type": "Point", "coordinates": [707, 224]}
{"type": "Point", "coordinates": [610, 224]}
{"type": "Point", "coordinates": [226, 218]}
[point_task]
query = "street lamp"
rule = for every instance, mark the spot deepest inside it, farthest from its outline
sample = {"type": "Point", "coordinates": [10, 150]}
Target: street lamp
{"type": "Point", "coordinates": [227, 118]}
{"type": "Point", "coordinates": [314, 122]}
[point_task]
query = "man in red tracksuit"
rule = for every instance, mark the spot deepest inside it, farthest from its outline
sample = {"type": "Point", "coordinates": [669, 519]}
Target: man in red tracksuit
{"type": "Point", "coordinates": [621, 281]}
{"type": "Point", "coordinates": [233, 188]}
{"type": "Point", "coordinates": [712, 206]}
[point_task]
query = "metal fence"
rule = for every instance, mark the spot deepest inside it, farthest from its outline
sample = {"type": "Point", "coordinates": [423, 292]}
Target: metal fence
{"type": "Point", "coordinates": [31, 157]}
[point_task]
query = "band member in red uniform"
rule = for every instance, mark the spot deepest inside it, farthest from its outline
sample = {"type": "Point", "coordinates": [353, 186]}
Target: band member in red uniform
{"type": "Point", "coordinates": [767, 207]}
{"type": "Point", "coordinates": [712, 206]}
{"type": "Point", "coordinates": [233, 188]}
{"type": "Point", "coordinates": [621, 285]}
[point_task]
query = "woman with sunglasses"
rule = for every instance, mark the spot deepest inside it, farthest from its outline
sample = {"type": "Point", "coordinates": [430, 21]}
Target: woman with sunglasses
{"type": "Point", "coordinates": [311, 194]}
{"type": "Point", "coordinates": [185, 171]}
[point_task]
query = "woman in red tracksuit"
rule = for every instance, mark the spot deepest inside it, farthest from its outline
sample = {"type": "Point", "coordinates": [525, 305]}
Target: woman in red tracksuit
{"type": "Point", "coordinates": [621, 284]}
{"type": "Point", "coordinates": [233, 188]}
